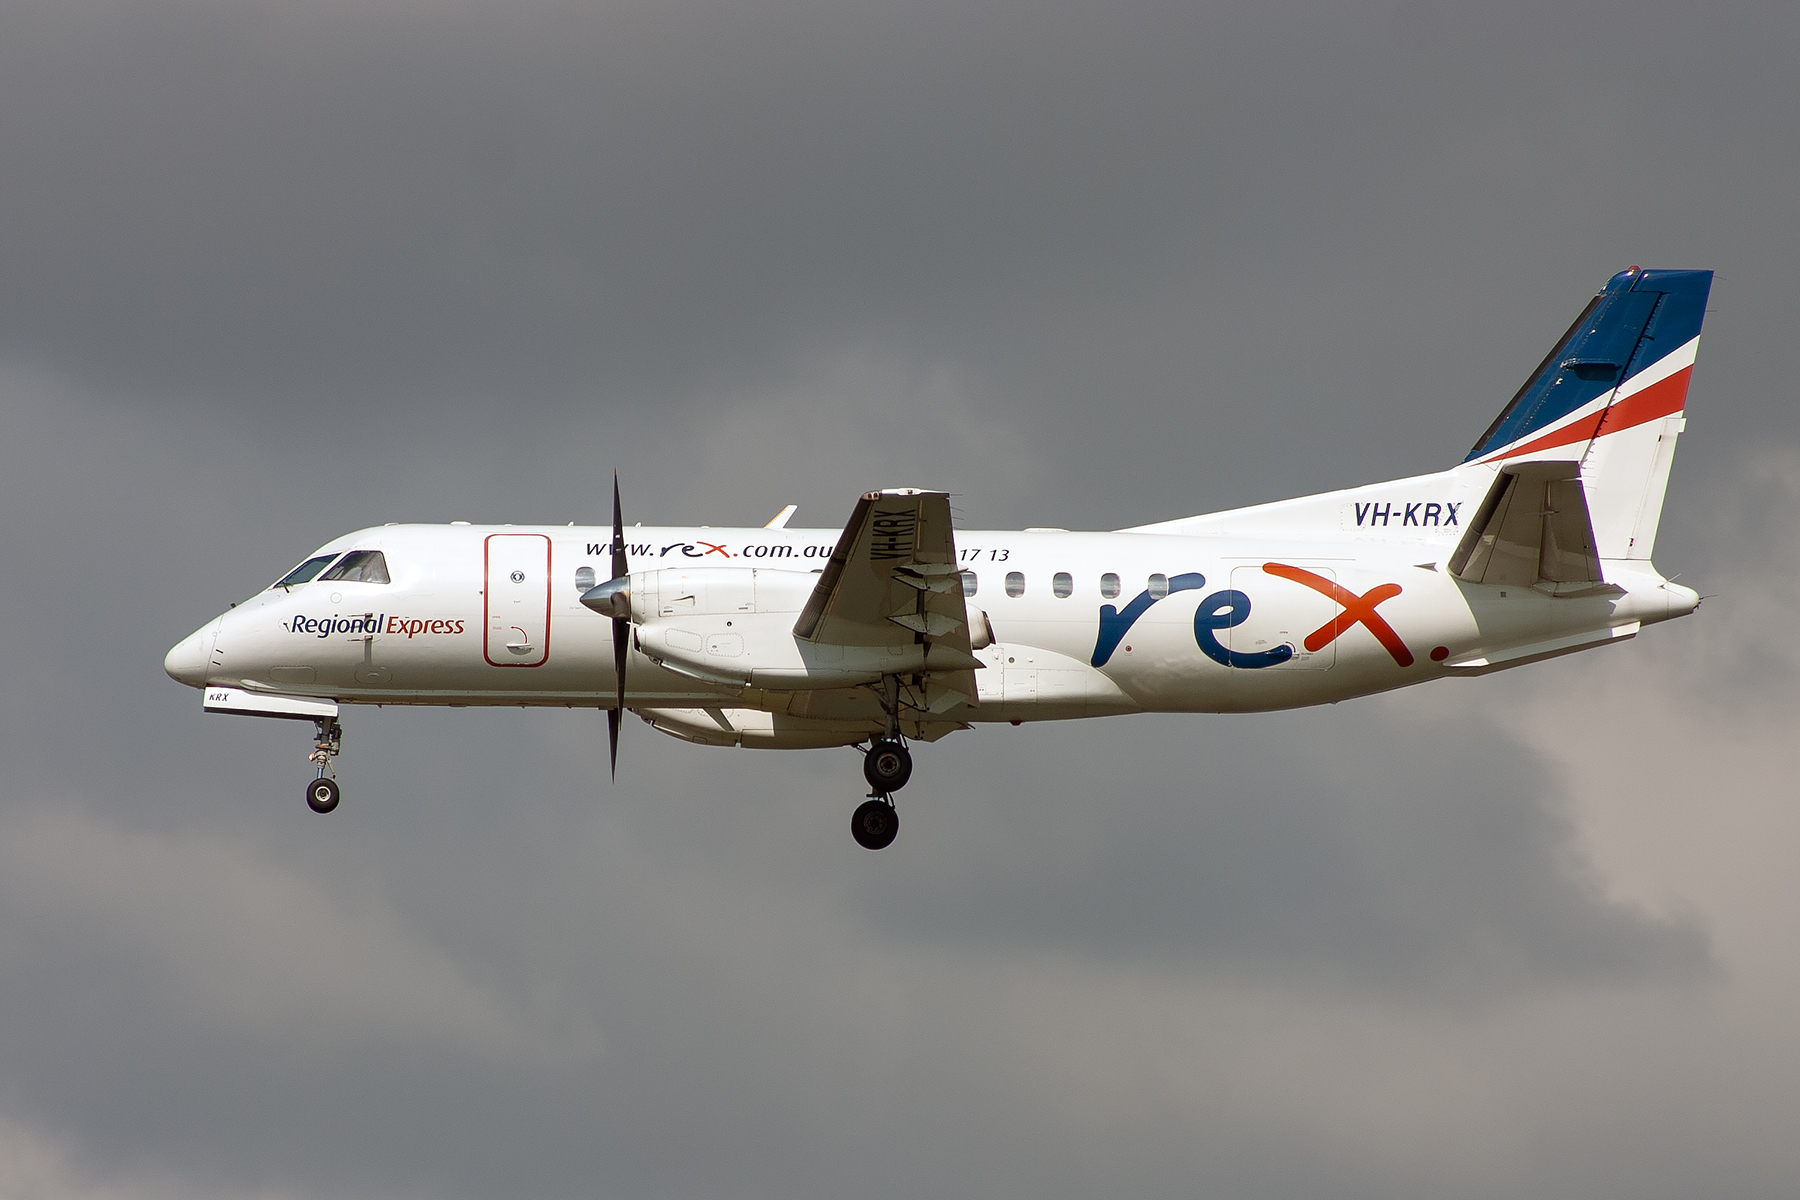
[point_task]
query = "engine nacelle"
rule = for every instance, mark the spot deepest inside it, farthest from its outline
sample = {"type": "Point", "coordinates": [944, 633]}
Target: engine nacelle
{"type": "Point", "coordinates": [734, 627]}
{"type": "Point", "coordinates": [760, 650]}
{"type": "Point", "coordinates": [718, 591]}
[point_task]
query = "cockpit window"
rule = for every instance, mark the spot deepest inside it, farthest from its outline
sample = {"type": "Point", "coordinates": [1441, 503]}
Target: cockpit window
{"type": "Point", "coordinates": [360, 566]}
{"type": "Point", "coordinates": [305, 571]}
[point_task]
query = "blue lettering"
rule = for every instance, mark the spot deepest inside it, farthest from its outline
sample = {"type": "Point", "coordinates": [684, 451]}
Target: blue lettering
{"type": "Point", "coordinates": [1114, 625]}
{"type": "Point", "coordinates": [1225, 610]}
{"type": "Point", "coordinates": [1418, 512]}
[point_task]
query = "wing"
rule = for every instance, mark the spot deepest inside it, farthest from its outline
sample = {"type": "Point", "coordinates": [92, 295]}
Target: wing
{"type": "Point", "coordinates": [893, 581]}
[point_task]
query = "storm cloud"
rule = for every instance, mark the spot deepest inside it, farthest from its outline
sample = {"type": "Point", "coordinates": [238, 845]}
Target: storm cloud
{"type": "Point", "coordinates": [270, 272]}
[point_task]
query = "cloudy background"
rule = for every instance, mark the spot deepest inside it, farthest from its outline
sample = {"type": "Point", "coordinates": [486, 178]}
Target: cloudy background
{"type": "Point", "coordinates": [273, 271]}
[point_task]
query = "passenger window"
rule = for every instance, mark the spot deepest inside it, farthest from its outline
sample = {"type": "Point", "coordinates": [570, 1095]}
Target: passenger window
{"type": "Point", "coordinates": [969, 583]}
{"type": "Point", "coordinates": [1109, 586]}
{"type": "Point", "coordinates": [360, 566]}
{"type": "Point", "coordinates": [305, 571]}
{"type": "Point", "coordinates": [584, 579]}
{"type": "Point", "coordinates": [1159, 586]}
{"type": "Point", "coordinates": [1015, 584]}
{"type": "Point", "coordinates": [1063, 584]}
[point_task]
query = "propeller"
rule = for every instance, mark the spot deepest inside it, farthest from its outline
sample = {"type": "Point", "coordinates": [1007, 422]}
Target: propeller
{"type": "Point", "coordinates": [621, 627]}
{"type": "Point", "coordinates": [613, 599]}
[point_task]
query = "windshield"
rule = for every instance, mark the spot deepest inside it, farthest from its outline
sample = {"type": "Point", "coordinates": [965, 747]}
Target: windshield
{"type": "Point", "coordinates": [360, 566]}
{"type": "Point", "coordinates": [304, 572]}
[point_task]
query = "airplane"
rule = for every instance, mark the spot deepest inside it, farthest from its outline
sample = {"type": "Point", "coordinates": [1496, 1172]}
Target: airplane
{"type": "Point", "coordinates": [899, 628]}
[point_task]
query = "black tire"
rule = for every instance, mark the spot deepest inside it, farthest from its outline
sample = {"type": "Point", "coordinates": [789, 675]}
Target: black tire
{"type": "Point", "coordinates": [322, 795]}
{"type": "Point", "coordinates": [874, 824]}
{"type": "Point", "coordinates": [887, 766]}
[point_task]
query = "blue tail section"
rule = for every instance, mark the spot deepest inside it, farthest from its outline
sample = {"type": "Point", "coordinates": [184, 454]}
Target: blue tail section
{"type": "Point", "coordinates": [1638, 317]}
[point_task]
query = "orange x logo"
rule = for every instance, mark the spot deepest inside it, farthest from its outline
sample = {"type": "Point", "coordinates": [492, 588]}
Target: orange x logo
{"type": "Point", "coordinates": [712, 549]}
{"type": "Point", "coordinates": [1358, 610]}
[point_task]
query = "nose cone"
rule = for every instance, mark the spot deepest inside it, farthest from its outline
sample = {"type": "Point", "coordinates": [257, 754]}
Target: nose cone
{"type": "Point", "coordinates": [188, 660]}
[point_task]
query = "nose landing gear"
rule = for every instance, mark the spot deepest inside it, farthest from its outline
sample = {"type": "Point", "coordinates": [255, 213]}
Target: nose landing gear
{"type": "Point", "coordinates": [322, 794]}
{"type": "Point", "coordinates": [328, 743]}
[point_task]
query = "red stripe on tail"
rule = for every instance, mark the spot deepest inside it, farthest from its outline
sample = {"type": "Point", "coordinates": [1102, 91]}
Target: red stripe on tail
{"type": "Point", "coordinates": [1664, 398]}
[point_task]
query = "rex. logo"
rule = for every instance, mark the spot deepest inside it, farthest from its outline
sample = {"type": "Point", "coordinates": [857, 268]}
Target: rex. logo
{"type": "Point", "coordinates": [1229, 608]}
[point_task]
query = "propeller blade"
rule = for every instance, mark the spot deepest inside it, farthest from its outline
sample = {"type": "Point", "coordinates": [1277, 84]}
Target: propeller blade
{"type": "Point", "coordinates": [621, 651]}
{"type": "Point", "coordinates": [620, 568]}
{"type": "Point", "coordinates": [621, 630]}
{"type": "Point", "coordinates": [612, 737]}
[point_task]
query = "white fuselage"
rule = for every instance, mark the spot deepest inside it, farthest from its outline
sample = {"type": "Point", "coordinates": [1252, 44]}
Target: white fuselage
{"type": "Point", "coordinates": [491, 615]}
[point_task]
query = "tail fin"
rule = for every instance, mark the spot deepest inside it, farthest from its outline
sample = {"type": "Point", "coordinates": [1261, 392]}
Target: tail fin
{"type": "Point", "coordinates": [1611, 395]}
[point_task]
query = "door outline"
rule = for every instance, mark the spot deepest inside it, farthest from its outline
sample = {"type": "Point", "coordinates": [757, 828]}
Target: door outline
{"type": "Point", "coordinates": [1253, 581]}
{"type": "Point", "coordinates": [487, 593]}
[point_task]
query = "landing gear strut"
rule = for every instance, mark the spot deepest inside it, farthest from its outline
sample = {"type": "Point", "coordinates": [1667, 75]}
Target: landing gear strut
{"type": "Point", "coordinates": [887, 766]}
{"type": "Point", "coordinates": [328, 742]}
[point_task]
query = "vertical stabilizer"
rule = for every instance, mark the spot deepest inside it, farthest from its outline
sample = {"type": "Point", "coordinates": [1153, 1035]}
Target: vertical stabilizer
{"type": "Point", "coordinates": [1611, 395]}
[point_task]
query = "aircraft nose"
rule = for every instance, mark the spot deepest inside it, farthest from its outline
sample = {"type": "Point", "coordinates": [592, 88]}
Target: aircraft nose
{"type": "Point", "coordinates": [188, 660]}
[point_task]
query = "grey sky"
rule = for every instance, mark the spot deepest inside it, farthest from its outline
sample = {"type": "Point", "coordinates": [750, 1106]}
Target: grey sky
{"type": "Point", "coordinates": [269, 272]}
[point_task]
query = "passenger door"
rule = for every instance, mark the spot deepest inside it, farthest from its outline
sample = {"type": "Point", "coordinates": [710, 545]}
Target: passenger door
{"type": "Point", "coordinates": [517, 600]}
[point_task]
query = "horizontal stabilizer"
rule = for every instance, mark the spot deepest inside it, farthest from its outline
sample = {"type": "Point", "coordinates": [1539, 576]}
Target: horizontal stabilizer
{"type": "Point", "coordinates": [1532, 530]}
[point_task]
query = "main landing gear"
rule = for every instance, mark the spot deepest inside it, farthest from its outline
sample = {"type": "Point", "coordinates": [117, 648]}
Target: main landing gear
{"type": "Point", "coordinates": [328, 743]}
{"type": "Point", "coordinates": [875, 823]}
{"type": "Point", "coordinates": [887, 765]}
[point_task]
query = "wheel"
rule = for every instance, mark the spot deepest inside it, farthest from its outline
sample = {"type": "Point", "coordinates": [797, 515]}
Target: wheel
{"type": "Point", "coordinates": [874, 824]}
{"type": "Point", "coordinates": [887, 766]}
{"type": "Point", "coordinates": [322, 795]}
